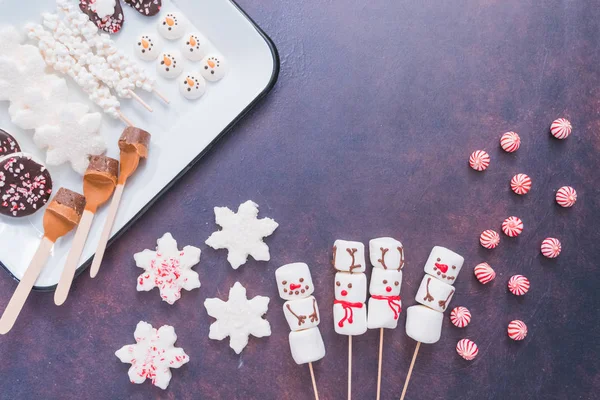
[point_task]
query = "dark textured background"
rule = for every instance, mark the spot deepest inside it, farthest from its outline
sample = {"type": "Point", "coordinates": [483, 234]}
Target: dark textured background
{"type": "Point", "coordinates": [367, 133]}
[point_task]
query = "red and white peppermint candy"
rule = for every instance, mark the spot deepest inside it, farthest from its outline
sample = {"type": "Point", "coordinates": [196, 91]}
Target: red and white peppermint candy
{"type": "Point", "coordinates": [517, 330]}
{"type": "Point", "coordinates": [467, 349]}
{"type": "Point", "coordinates": [479, 160]}
{"type": "Point", "coordinates": [520, 184]}
{"type": "Point", "coordinates": [510, 142]}
{"type": "Point", "coordinates": [566, 196]}
{"type": "Point", "coordinates": [561, 128]}
{"type": "Point", "coordinates": [489, 239]}
{"type": "Point", "coordinates": [484, 273]}
{"type": "Point", "coordinates": [512, 226]}
{"type": "Point", "coordinates": [518, 285]}
{"type": "Point", "coordinates": [460, 316]}
{"type": "Point", "coordinates": [551, 247]}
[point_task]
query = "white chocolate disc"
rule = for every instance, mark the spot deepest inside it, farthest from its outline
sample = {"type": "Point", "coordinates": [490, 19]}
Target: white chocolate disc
{"type": "Point", "coordinates": [169, 65]}
{"type": "Point", "coordinates": [193, 46]}
{"type": "Point", "coordinates": [147, 47]}
{"type": "Point", "coordinates": [172, 26]}
{"type": "Point", "coordinates": [213, 67]}
{"type": "Point", "coordinates": [192, 86]}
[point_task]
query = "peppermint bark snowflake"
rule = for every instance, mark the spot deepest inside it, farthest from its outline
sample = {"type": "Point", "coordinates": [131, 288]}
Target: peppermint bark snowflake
{"type": "Point", "coordinates": [153, 354]}
{"type": "Point", "coordinates": [168, 268]}
{"type": "Point", "coordinates": [238, 317]}
{"type": "Point", "coordinates": [242, 234]}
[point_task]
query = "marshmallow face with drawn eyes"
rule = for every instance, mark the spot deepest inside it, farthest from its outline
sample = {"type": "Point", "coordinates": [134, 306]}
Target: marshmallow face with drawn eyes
{"type": "Point", "coordinates": [192, 86]}
{"type": "Point", "coordinates": [169, 65]}
{"type": "Point", "coordinates": [444, 264]}
{"type": "Point", "coordinates": [294, 281]}
{"type": "Point", "coordinates": [213, 67]}
{"type": "Point", "coordinates": [147, 47]}
{"type": "Point", "coordinates": [385, 282]}
{"type": "Point", "coordinates": [350, 287]}
{"type": "Point", "coordinates": [172, 26]}
{"type": "Point", "coordinates": [192, 46]}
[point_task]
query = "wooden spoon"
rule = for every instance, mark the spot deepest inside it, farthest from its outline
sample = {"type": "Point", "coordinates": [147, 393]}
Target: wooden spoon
{"type": "Point", "coordinates": [134, 144]}
{"type": "Point", "coordinates": [99, 183]}
{"type": "Point", "coordinates": [61, 216]}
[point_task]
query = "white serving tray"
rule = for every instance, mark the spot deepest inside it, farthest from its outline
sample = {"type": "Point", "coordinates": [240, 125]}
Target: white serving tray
{"type": "Point", "coordinates": [181, 131]}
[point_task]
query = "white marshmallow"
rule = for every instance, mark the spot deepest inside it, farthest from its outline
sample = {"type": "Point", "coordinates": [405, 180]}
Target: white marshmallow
{"type": "Point", "coordinates": [386, 253]}
{"type": "Point", "coordinates": [169, 65]}
{"type": "Point", "coordinates": [444, 264]}
{"type": "Point", "coordinates": [350, 318]}
{"type": "Point", "coordinates": [147, 47]}
{"type": "Point", "coordinates": [213, 67]}
{"type": "Point", "coordinates": [294, 281]}
{"type": "Point", "coordinates": [383, 313]}
{"type": "Point", "coordinates": [193, 46]}
{"type": "Point", "coordinates": [302, 314]}
{"type": "Point", "coordinates": [307, 345]}
{"type": "Point", "coordinates": [349, 256]}
{"type": "Point", "coordinates": [434, 294]}
{"type": "Point", "coordinates": [192, 86]}
{"type": "Point", "coordinates": [350, 287]}
{"type": "Point", "coordinates": [172, 26]}
{"type": "Point", "coordinates": [385, 282]}
{"type": "Point", "coordinates": [423, 324]}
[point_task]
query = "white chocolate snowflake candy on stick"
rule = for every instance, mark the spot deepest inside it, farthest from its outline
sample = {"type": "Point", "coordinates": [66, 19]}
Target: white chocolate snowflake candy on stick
{"type": "Point", "coordinates": [238, 317]}
{"type": "Point", "coordinates": [153, 355]}
{"type": "Point", "coordinates": [168, 268]}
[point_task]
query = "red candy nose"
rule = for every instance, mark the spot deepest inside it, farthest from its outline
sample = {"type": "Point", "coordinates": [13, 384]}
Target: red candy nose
{"type": "Point", "coordinates": [344, 293]}
{"type": "Point", "coordinates": [442, 267]}
{"type": "Point", "coordinates": [293, 286]}
{"type": "Point", "coordinates": [388, 289]}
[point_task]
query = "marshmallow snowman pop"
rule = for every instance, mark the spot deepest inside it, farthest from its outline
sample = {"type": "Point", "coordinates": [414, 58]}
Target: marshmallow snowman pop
{"type": "Point", "coordinates": [387, 257]}
{"type": "Point", "coordinates": [424, 322]}
{"type": "Point", "coordinates": [349, 308]}
{"type": "Point", "coordinates": [301, 311]}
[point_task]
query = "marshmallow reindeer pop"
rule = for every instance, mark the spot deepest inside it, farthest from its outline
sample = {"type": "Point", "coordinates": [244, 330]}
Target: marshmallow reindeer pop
{"type": "Point", "coordinates": [385, 305]}
{"type": "Point", "coordinates": [349, 308]}
{"type": "Point", "coordinates": [302, 314]}
{"type": "Point", "coordinates": [424, 322]}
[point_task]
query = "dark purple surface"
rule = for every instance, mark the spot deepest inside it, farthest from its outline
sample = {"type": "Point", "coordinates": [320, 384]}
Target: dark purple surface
{"type": "Point", "coordinates": [367, 133]}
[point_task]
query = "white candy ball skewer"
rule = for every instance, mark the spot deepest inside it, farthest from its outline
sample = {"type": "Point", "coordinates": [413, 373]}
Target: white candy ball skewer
{"type": "Point", "coordinates": [57, 56]}
{"type": "Point", "coordinates": [82, 52]}
{"type": "Point", "coordinates": [106, 48]}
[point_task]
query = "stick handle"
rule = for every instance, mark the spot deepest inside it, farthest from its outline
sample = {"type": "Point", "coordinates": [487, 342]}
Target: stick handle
{"type": "Point", "coordinates": [12, 310]}
{"type": "Point", "coordinates": [314, 382]}
{"type": "Point", "coordinates": [412, 364]}
{"type": "Point", "coordinates": [349, 367]}
{"type": "Point", "coordinates": [110, 220]}
{"type": "Point", "coordinates": [139, 100]}
{"type": "Point", "coordinates": [160, 95]}
{"type": "Point", "coordinates": [66, 278]}
{"type": "Point", "coordinates": [379, 365]}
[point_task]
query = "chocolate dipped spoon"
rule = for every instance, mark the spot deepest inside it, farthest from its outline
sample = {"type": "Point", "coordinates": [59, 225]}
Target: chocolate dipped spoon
{"type": "Point", "coordinates": [61, 216]}
{"type": "Point", "coordinates": [134, 144]}
{"type": "Point", "coordinates": [99, 183]}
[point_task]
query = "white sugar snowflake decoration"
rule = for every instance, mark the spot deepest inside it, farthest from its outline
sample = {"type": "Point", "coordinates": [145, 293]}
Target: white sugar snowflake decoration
{"type": "Point", "coordinates": [242, 234]}
{"type": "Point", "coordinates": [153, 354]}
{"type": "Point", "coordinates": [168, 268]}
{"type": "Point", "coordinates": [238, 317]}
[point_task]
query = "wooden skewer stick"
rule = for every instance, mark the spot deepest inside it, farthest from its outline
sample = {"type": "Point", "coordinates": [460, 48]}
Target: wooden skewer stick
{"type": "Point", "coordinates": [412, 364]}
{"type": "Point", "coordinates": [314, 382]}
{"type": "Point", "coordinates": [349, 367]}
{"type": "Point", "coordinates": [124, 119]}
{"type": "Point", "coordinates": [379, 367]}
{"type": "Point", "coordinates": [139, 100]}
{"type": "Point", "coordinates": [163, 98]}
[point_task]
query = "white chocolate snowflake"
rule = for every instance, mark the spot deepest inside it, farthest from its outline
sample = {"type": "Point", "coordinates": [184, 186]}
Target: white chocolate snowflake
{"type": "Point", "coordinates": [153, 354]}
{"type": "Point", "coordinates": [168, 268]}
{"type": "Point", "coordinates": [242, 234]}
{"type": "Point", "coordinates": [73, 139]}
{"type": "Point", "coordinates": [238, 317]}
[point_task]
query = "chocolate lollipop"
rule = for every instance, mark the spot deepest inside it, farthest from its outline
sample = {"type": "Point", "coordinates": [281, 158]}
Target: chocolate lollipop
{"type": "Point", "coordinates": [145, 7]}
{"type": "Point", "coordinates": [61, 216]}
{"type": "Point", "coordinates": [106, 16]}
{"type": "Point", "coordinates": [8, 144]}
{"type": "Point", "coordinates": [25, 185]}
{"type": "Point", "coordinates": [134, 144]}
{"type": "Point", "coordinates": [99, 183]}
